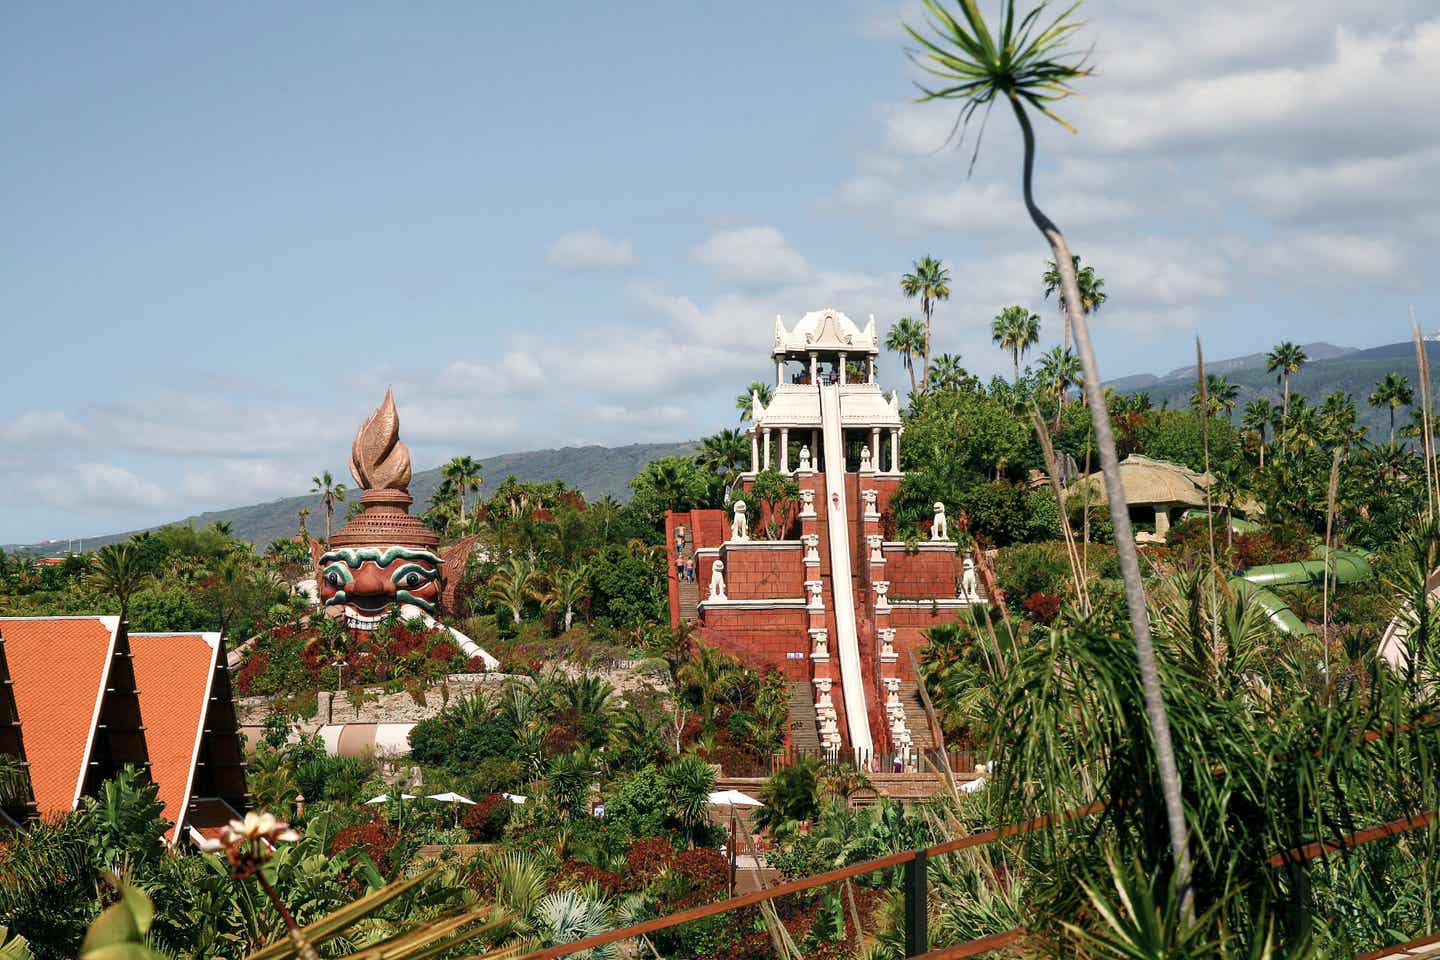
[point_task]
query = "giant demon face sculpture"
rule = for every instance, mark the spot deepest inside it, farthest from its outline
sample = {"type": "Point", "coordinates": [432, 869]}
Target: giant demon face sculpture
{"type": "Point", "coordinates": [384, 557]}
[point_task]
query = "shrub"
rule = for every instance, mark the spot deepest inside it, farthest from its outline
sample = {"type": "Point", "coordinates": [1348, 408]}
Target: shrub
{"type": "Point", "coordinates": [1043, 607]}
{"type": "Point", "coordinates": [485, 821]}
{"type": "Point", "coordinates": [375, 838]}
{"type": "Point", "coordinates": [1027, 569]}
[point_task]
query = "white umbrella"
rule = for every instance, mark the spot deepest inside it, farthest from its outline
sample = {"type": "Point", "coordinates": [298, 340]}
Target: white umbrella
{"type": "Point", "coordinates": [386, 798]}
{"type": "Point", "coordinates": [450, 797]}
{"type": "Point", "coordinates": [514, 798]}
{"type": "Point", "coordinates": [973, 786]}
{"type": "Point", "coordinates": [733, 798]}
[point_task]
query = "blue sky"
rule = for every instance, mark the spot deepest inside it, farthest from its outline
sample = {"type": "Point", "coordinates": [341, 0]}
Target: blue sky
{"type": "Point", "coordinates": [227, 228]}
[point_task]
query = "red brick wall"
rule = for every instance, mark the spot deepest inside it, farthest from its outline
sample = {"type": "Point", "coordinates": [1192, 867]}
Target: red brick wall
{"type": "Point", "coordinates": [764, 574]}
{"type": "Point", "coordinates": [761, 638]}
{"type": "Point", "coordinates": [927, 575]}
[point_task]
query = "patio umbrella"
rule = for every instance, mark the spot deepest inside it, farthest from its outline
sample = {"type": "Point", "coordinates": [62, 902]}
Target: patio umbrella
{"type": "Point", "coordinates": [450, 797]}
{"type": "Point", "coordinates": [514, 798]}
{"type": "Point", "coordinates": [733, 798]}
{"type": "Point", "coordinates": [386, 798]}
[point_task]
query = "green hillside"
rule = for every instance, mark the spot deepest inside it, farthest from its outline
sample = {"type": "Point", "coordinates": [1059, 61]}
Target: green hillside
{"type": "Point", "coordinates": [594, 471]}
{"type": "Point", "coordinates": [1354, 372]}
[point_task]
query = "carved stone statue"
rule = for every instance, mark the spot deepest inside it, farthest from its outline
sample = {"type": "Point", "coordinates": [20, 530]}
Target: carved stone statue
{"type": "Point", "coordinates": [815, 589]}
{"type": "Point", "coordinates": [969, 582]}
{"type": "Point", "coordinates": [740, 526]}
{"type": "Point", "coordinates": [807, 503]}
{"type": "Point", "coordinates": [882, 594]}
{"type": "Point", "coordinates": [812, 547]}
{"type": "Point", "coordinates": [940, 529]}
{"type": "Point", "coordinates": [876, 543]}
{"type": "Point", "coordinates": [805, 465]}
{"type": "Point", "coordinates": [822, 644]}
{"type": "Point", "coordinates": [871, 498]}
{"type": "Point", "coordinates": [864, 459]}
{"type": "Point", "coordinates": [717, 581]}
{"type": "Point", "coordinates": [887, 645]}
{"type": "Point", "coordinates": [385, 558]}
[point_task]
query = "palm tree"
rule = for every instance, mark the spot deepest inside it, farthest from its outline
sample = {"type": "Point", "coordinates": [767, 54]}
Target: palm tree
{"type": "Point", "coordinates": [1392, 391]}
{"type": "Point", "coordinates": [1255, 418]}
{"type": "Point", "coordinates": [1059, 371]}
{"type": "Point", "coordinates": [929, 280]}
{"type": "Point", "coordinates": [1092, 290]}
{"type": "Point", "coordinates": [304, 513]}
{"type": "Point", "coordinates": [907, 338]}
{"type": "Point", "coordinates": [725, 453]}
{"type": "Point", "coordinates": [567, 589]}
{"type": "Point", "coordinates": [714, 674]}
{"type": "Point", "coordinates": [1031, 66]}
{"type": "Point", "coordinates": [744, 402]}
{"type": "Point", "coordinates": [947, 372]}
{"type": "Point", "coordinates": [1287, 358]}
{"type": "Point", "coordinates": [1220, 396]}
{"type": "Point", "coordinates": [117, 571]}
{"type": "Point", "coordinates": [1015, 329]}
{"type": "Point", "coordinates": [513, 585]}
{"type": "Point", "coordinates": [331, 493]}
{"type": "Point", "coordinates": [464, 476]}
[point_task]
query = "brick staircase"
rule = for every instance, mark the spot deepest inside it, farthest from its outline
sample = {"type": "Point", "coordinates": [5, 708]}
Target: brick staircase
{"type": "Point", "coordinates": [804, 729]}
{"type": "Point", "coordinates": [689, 589]}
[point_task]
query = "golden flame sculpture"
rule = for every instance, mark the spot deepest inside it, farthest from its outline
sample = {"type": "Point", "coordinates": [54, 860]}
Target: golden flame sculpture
{"type": "Point", "coordinates": [378, 460]}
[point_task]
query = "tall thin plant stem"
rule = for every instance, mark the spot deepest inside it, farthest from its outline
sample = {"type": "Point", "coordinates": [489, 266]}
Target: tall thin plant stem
{"type": "Point", "coordinates": [1209, 510]}
{"type": "Point", "coordinates": [1329, 527]}
{"type": "Point", "coordinates": [1120, 518]}
{"type": "Point", "coordinates": [1427, 436]}
{"type": "Point", "coordinates": [1077, 571]}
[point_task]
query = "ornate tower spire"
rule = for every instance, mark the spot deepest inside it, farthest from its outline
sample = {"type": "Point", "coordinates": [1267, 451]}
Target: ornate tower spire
{"type": "Point", "coordinates": [378, 460]}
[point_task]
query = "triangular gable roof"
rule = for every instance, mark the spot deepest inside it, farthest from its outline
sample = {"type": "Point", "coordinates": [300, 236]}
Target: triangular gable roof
{"type": "Point", "coordinates": [75, 696]}
{"type": "Point", "coordinates": [12, 744]}
{"type": "Point", "coordinates": [174, 673]}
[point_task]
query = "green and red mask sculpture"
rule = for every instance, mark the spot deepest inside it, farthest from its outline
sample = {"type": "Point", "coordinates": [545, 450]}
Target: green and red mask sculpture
{"type": "Point", "coordinates": [384, 558]}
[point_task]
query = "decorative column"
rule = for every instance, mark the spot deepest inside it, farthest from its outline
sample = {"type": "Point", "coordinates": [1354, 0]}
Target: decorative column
{"type": "Point", "coordinates": [875, 449]}
{"type": "Point", "coordinates": [785, 450]}
{"type": "Point", "coordinates": [842, 369]}
{"type": "Point", "coordinates": [894, 449]}
{"type": "Point", "coordinates": [767, 448]}
{"type": "Point", "coordinates": [814, 368]}
{"type": "Point", "coordinates": [779, 372]}
{"type": "Point", "coordinates": [754, 450]}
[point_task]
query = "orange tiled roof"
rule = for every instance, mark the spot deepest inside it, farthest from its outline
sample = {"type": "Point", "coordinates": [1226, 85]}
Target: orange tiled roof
{"type": "Point", "coordinates": [172, 672]}
{"type": "Point", "coordinates": [58, 666]}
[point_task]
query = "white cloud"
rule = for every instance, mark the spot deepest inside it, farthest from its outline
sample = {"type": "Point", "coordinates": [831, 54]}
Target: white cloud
{"type": "Point", "coordinates": [99, 485]}
{"type": "Point", "coordinates": [1331, 257]}
{"type": "Point", "coordinates": [40, 426]}
{"type": "Point", "coordinates": [657, 415]}
{"type": "Point", "coordinates": [589, 250]}
{"type": "Point", "coordinates": [517, 370]}
{"type": "Point", "coordinates": [753, 257]}
{"type": "Point", "coordinates": [1372, 187]}
{"type": "Point", "coordinates": [243, 481]}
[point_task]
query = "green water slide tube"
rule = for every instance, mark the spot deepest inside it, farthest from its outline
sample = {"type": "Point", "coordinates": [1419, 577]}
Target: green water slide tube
{"type": "Point", "coordinates": [1277, 611]}
{"type": "Point", "coordinates": [1237, 524]}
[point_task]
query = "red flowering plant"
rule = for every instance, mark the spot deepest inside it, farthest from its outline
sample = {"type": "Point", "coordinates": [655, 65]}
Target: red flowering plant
{"type": "Point", "coordinates": [1043, 607]}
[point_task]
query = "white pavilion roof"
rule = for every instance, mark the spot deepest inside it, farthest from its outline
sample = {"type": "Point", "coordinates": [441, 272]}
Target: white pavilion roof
{"type": "Point", "coordinates": [825, 331]}
{"type": "Point", "coordinates": [798, 405]}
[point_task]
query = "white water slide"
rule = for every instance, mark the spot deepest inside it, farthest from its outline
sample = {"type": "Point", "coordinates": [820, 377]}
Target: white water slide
{"type": "Point", "coordinates": [847, 644]}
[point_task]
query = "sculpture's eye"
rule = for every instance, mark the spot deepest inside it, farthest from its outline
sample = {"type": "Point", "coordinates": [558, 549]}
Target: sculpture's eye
{"type": "Point", "coordinates": [333, 578]}
{"type": "Point", "coordinates": [413, 579]}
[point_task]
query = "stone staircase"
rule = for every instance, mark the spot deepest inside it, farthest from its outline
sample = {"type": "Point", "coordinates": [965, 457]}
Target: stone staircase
{"type": "Point", "coordinates": [689, 589]}
{"type": "Point", "coordinates": [915, 718]}
{"type": "Point", "coordinates": [804, 731]}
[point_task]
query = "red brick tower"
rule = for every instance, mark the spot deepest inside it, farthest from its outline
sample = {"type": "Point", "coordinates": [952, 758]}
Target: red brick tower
{"type": "Point", "coordinates": [825, 596]}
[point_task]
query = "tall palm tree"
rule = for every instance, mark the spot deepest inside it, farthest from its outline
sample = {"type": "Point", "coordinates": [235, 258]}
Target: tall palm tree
{"type": "Point", "coordinates": [907, 338]}
{"type": "Point", "coordinates": [331, 493]}
{"type": "Point", "coordinates": [513, 585]}
{"type": "Point", "coordinates": [1092, 290]}
{"type": "Point", "coordinates": [464, 474]}
{"type": "Point", "coordinates": [1393, 391]}
{"type": "Point", "coordinates": [724, 453]}
{"type": "Point", "coordinates": [744, 402]}
{"type": "Point", "coordinates": [117, 571]}
{"type": "Point", "coordinates": [567, 589]}
{"type": "Point", "coordinates": [1220, 396]}
{"type": "Point", "coordinates": [928, 279]}
{"type": "Point", "coordinates": [1255, 418]}
{"type": "Point", "coordinates": [1030, 65]}
{"type": "Point", "coordinates": [1059, 371]}
{"type": "Point", "coordinates": [304, 514]}
{"type": "Point", "coordinates": [947, 372]}
{"type": "Point", "coordinates": [1287, 358]}
{"type": "Point", "coordinates": [1015, 329]}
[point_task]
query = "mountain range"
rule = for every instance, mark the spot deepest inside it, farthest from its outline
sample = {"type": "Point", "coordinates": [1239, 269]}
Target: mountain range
{"type": "Point", "coordinates": [595, 471]}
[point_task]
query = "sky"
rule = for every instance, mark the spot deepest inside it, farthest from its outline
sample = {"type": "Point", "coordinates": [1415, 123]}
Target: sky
{"type": "Point", "coordinates": [225, 229]}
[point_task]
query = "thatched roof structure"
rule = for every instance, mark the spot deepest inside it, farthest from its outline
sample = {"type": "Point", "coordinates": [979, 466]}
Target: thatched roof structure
{"type": "Point", "coordinates": [1156, 483]}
